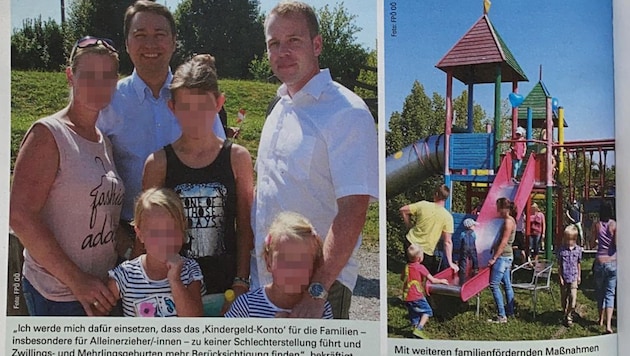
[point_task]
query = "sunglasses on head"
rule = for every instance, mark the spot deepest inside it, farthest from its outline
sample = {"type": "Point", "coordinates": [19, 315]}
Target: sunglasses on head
{"type": "Point", "coordinates": [90, 41]}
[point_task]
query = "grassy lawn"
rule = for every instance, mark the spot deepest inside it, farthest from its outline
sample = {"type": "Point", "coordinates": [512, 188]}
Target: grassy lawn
{"type": "Point", "coordinates": [455, 320]}
{"type": "Point", "coordinates": [38, 94]}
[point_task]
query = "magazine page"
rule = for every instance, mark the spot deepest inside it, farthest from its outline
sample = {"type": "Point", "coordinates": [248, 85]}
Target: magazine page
{"type": "Point", "coordinates": [160, 282]}
{"type": "Point", "coordinates": [621, 25]}
{"type": "Point", "coordinates": [500, 169]}
{"type": "Point", "coordinates": [5, 156]}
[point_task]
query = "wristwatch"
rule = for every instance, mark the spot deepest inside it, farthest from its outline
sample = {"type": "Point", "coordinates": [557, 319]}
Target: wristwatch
{"type": "Point", "coordinates": [317, 291]}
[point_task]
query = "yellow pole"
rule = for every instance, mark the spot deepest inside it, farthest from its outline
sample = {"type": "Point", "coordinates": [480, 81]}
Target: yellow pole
{"type": "Point", "coordinates": [561, 139]}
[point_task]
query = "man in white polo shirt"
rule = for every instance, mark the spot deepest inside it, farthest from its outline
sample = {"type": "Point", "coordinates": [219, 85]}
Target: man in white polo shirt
{"type": "Point", "coordinates": [318, 156]}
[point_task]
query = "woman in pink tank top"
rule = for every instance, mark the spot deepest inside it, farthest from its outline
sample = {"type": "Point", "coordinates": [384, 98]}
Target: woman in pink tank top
{"type": "Point", "coordinates": [66, 194]}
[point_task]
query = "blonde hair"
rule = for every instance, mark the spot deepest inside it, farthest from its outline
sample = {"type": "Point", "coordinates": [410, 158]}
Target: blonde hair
{"type": "Point", "coordinates": [100, 49]}
{"type": "Point", "coordinates": [570, 233]}
{"type": "Point", "coordinates": [199, 72]}
{"type": "Point", "coordinates": [288, 8]}
{"type": "Point", "coordinates": [414, 251]}
{"type": "Point", "coordinates": [164, 198]}
{"type": "Point", "coordinates": [294, 227]}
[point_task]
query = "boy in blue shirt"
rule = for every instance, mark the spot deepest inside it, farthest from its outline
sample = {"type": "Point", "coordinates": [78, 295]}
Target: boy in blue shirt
{"type": "Point", "coordinates": [467, 249]}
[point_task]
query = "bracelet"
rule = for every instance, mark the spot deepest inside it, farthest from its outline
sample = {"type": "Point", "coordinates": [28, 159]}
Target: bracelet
{"type": "Point", "coordinates": [239, 280]}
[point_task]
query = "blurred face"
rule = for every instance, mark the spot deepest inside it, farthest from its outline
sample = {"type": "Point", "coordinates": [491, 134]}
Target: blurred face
{"type": "Point", "coordinates": [291, 265]}
{"type": "Point", "coordinates": [94, 80]}
{"type": "Point", "coordinates": [503, 211]}
{"type": "Point", "coordinates": [161, 235]}
{"type": "Point", "coordinates": [195, 110]}
{"type": "Point", "coordinates": [571, 242]}
{"type": "Point", "coordinates": [150, 43]}
{"type": "Point", "coordinates": [293, 55]}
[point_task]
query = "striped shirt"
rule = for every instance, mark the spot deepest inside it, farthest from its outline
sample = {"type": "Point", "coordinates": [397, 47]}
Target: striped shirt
{"type": "Point", "coordinates": [142, 296]}
{"type": "Point", "coordinates": [256, 304]}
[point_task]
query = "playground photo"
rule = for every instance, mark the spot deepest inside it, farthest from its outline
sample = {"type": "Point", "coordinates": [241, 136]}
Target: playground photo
{"type": "Point", "coordinates": [500, 197]}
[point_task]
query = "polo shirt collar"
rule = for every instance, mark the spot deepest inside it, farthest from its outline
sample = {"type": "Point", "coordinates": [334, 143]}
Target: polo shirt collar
{"type": "Point", "coordinates": [314, 87]}
{"type": "Point", "coordinates": [143, 91]}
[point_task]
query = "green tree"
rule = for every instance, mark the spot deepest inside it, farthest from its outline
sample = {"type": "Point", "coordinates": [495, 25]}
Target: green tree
{"type": "Point", "coordinates": [421, 117]}
{"type": "Point", "coordinates": [232, 31]}
{"type": "Point", "coordinates": [259, 68]}
{"type": "Point", "coordinates": [101, 19]}
{"type": "Point", "coordinates": [368, 76]}
{"type": "Point", "coordinates": [340, 52]}
{"type": "Point", "coordinates": [394, 139]}
{"type": "Point", "coordinates": [460, 108]}
{"type": "Point", "coordinates": [367, 83]}
{"type": "Point", "coordinates": [38, 45]}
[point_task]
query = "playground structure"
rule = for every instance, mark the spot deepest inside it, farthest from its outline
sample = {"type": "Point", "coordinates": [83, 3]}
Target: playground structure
{"type": "Point", "coordinates": [474, 159]}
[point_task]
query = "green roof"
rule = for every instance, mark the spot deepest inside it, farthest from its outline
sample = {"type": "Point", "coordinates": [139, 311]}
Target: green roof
{"type": "Point", "coordinates": [509, 57]}
{"type": "Point", "coordinates": [537, 100]}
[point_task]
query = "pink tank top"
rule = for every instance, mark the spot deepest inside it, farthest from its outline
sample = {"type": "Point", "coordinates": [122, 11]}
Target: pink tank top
{"type": "Point", "coordinates": [535, 223]}
{"type": "Point", "coordinates": [82, 209]}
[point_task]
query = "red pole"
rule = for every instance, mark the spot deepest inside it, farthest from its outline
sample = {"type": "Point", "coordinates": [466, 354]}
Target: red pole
{"type": "Point", "coordinates": [601, 174]}
{"type": "Point", "coordinates": [587, 173]}
{"type": "Point", "coordinates": [549, 144]}
{"type": "Point", "coordinates": [447, 134]}
{"type": "Point", "coordinates": [514, 109]}
{"type": "Point", "coordinates": [571, 190]}
{"type": "Point", "coordinates": [449, 120]}
{"type": "Point", "coordinates": [604, 172]}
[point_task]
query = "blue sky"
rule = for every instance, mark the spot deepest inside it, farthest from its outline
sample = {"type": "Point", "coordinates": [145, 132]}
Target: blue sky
{"type": "Point", "coordinates": [571, 39]}
{"type": "Point", "coordinates": [365, 11]}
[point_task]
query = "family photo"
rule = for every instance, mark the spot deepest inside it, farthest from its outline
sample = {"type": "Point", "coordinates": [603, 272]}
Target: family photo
{"type": "Point", "coordinates": [201, 160]}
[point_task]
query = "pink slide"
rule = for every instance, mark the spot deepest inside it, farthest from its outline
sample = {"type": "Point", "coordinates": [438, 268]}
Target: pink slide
{"type": "Point", "coordinates": [488, 229]}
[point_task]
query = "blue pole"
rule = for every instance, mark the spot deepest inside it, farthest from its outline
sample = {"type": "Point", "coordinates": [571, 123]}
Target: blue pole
{"type": "Point", "coordinates": [470, 108]}
{"type": "Point", "coordinates": [449, 201]}
{"type": "Point", "coordinates": [530, 121]}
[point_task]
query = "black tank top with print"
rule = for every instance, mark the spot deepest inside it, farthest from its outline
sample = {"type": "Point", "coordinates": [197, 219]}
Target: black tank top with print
{"type": "Point", "coordinates": [209, 198]}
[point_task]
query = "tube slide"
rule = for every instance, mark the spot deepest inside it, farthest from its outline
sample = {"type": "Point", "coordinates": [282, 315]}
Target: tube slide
{"type": "Point", "coordinates": [414, 163]}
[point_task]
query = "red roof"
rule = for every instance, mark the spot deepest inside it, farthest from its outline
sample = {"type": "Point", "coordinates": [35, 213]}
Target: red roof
{"type": "Point", "coordinates": [474, 58]}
